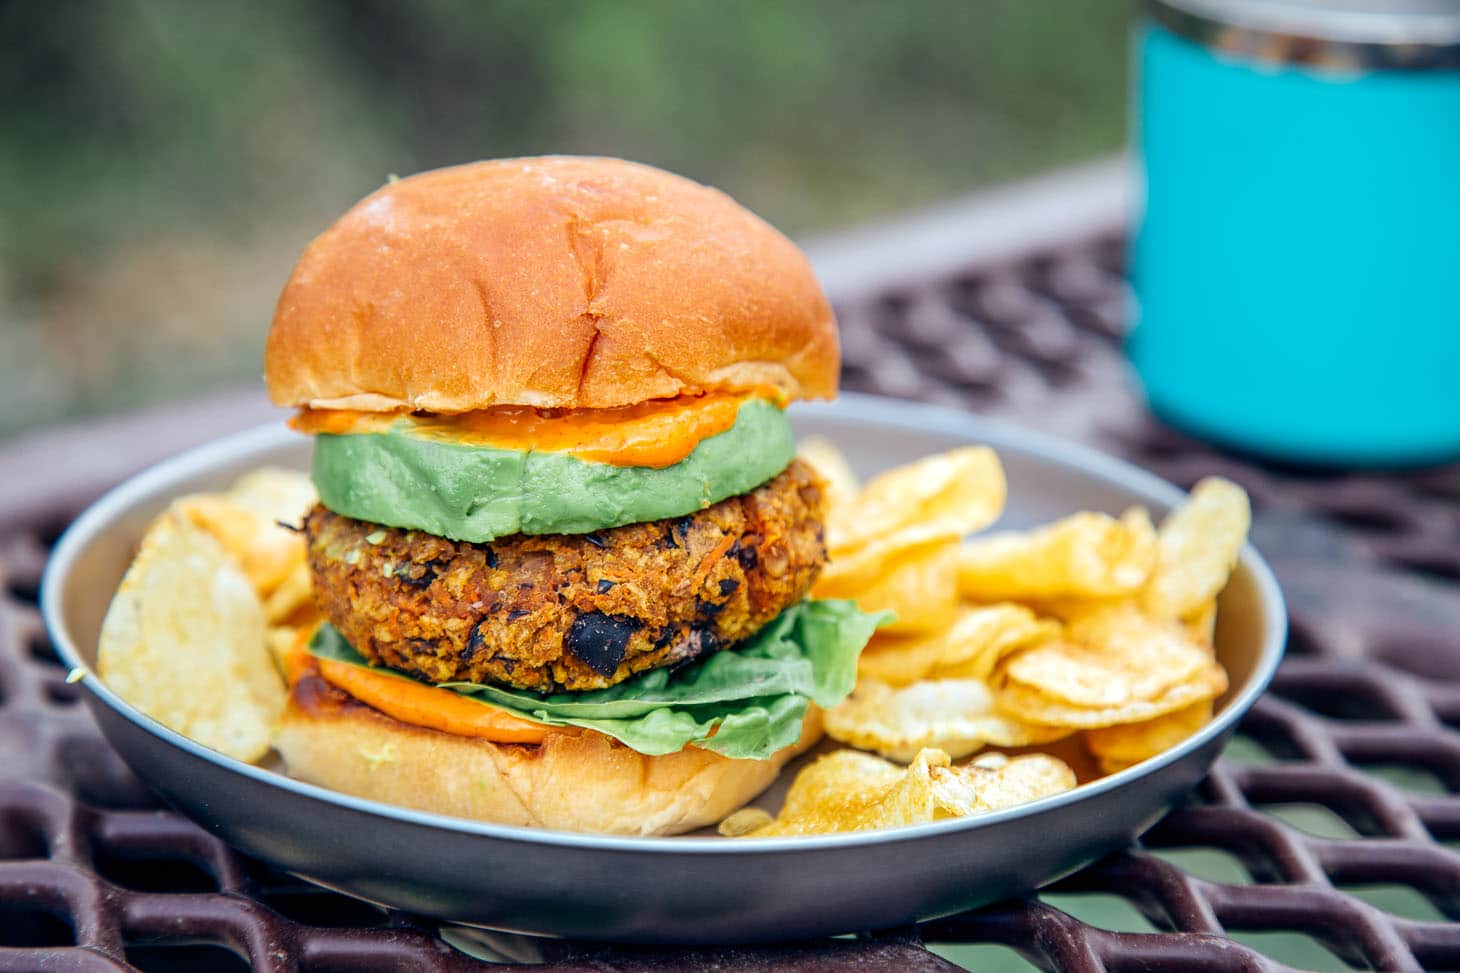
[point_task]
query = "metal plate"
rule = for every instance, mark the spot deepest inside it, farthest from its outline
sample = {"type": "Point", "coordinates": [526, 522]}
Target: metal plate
{"type": "Point", "coordinates": [666, 889]}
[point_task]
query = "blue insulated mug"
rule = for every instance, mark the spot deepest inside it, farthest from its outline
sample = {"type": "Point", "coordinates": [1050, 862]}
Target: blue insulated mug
{"type": "Point", "coordinates": [1297, 264]}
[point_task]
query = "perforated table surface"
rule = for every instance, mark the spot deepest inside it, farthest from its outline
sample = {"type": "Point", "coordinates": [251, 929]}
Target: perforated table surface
{"type": "Point", "coordinates": [1325, 838]}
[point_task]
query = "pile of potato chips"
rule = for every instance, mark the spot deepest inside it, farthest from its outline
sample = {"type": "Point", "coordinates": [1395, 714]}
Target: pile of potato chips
{"type": "Point", "coordinates": [853, 791]}
{"type": "Point", "coordinates": [215, 580]}
{"type": "Point", "coordinates": [1093, 625]}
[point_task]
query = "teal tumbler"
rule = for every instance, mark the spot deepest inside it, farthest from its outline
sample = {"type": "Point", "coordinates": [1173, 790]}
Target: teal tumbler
{"type": "Point", "coordinates": [1297, 262]}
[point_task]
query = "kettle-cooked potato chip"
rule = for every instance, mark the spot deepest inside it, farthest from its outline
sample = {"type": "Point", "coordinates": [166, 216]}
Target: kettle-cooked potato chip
{"type": "Point", "coordinates": [280, 641]}
{"type": "Point", "coordinates": [275, 493]}
{"type": "Point", "coordinates": [842, 485]}
{"type": "Point", "coordinates": [1113, 654]}
{"type": "Point", "coordinates": [293, 600]}
{"type": "Point", "coordinates": [851, 791]}
{"type": "Point", "coordinates": [1085, 555]}
{"type": "Point", "coordinates": [849, 572]}
{"type": "Point", "coordinates": [1026, 702]}
{"type": "Point", "coordinates": [1094, 677]}
{"type": "Point", "coordinates": [956, 716]}
{"type": "Point", "coordinates": [184, 642]}
{"type": "Point", "coordinates": [1122, 746]}
{"type": "Point", "coordinates": [969, 648]}
{"type": "Point", "coordinates": [889, 545]}
{"type": "Point", "coordinates": [265, 551]}
{"type": "Point", "coordinates": [951, 494]}
{"type": "Point", "coordinates": [743, 822]}
{"type": "Point", "coordinates": [921, 590]}
{"type": "Point", "coordinates": [1198, 543]}
{"type": "Point", "coordinates": [246, 521]}
{"type": "Point", "coordinates": [1114, 666]}
{"type": "Point", "coordinates": [999, 780]}
{"type": "Point", "coordinates": [1201, 625]}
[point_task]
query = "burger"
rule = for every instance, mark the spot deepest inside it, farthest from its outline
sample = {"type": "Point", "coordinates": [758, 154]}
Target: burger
{"type": "Point", "coordinates": [563, 545]}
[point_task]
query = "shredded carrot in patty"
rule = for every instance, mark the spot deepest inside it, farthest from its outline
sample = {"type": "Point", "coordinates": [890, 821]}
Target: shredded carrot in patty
{"type": "Point", "coordinates": [708, 564]}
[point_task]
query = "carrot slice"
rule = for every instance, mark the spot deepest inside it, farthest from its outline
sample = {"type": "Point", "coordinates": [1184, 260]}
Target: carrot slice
{"type": "Point", "coordinates": [414, 703]}
{"type": "Point", "coordinates": [657, 433]}
{"type": "Point", "coordinates": [438, 709]}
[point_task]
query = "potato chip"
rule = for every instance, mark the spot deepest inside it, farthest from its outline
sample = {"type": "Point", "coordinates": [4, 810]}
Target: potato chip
{"type": "Point", "coordinates": [1027, 703]}
{"type": "Point", "coordinates": [842, 485]}
{"type": "Point", "coordinates": [969, 648]}
{"type": "Point", "coordinates": [843, 785]}
{"type": "Point", "coordinates": [280, 640]}
{"type": "Point", "coordinates": [850, 572]}
{"type": "Point", "coordinates": [246, 521]}
{"type": "Point", "coordinates": [266, 552]}
{"type": "Point", "coordinates": [851, 791]}
{"type": "Point", "coordinates": [743, 822]}
{"type": "Point", "coordinates": [999, 780]}
{"type": "Point", "coordinates": [184, 642]}
{"type": "Point", "coordinates": [1086, 555]}
{"type": "Point", "coordinates": [278, 495]}
{"type": "Point", "coordinates": [956, 716]}
{"type": "Point", "coordinates": [1198, 544]}
{"type": "Point", "coordinates": [293, 600]}
{"type": "Point", "coordinates": [1069, 609]}
{"type": "Point", "coordinates": [921, 590]}
{"type": "Point", "coordinates": [1201, 626]}
{"type": "Point", "coordinates": [1114, 665]}
{"type": "Point", "coordinates": [1119, 747]}
{"type": "Point", "coordinates": [1109, 658]}
{"type": "Point", "coordinates": [289, 647]}
{"type": "Point", "coordinates": [950, 494]}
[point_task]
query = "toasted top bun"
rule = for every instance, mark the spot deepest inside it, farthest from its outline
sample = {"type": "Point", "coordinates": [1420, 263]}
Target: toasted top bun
{"type": "Point", "coordinates": [551, 282]}
{"type": "Point", "coordinates": [573, 781]}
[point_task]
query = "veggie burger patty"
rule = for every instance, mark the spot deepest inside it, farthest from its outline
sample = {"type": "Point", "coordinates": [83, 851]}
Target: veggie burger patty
{"type": "Point", "coordinates": [570, 611]}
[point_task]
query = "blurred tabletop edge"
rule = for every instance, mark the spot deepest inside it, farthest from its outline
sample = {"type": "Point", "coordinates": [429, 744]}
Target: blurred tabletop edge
{"type": "Point", "coordinates": [1000, 225]}
{"type": "Point", "coordinates": [48, 475]}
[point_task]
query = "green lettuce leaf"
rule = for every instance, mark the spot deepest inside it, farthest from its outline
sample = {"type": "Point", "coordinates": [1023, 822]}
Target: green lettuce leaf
{"type": "Point", "coordinates": [751, 697]}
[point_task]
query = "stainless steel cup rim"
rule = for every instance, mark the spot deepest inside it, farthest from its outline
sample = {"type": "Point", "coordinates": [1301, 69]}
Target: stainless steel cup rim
{"type": "Point", "coordinates": [908, 415]}
{"type": "Point", "coordinates": [1344, 34]}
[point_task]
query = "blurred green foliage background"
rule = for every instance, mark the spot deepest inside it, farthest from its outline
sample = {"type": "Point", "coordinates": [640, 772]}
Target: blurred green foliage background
{"type": "Point", "coordinates": [162, 162]}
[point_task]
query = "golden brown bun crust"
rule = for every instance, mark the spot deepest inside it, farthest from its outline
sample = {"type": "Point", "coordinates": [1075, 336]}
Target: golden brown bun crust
{"type": "Point", "coordinates": [551, 282]}
{"type": "Point", "coordinates": [573, 781]}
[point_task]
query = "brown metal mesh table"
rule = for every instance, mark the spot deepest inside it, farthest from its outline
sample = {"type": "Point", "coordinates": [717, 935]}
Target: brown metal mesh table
{"type": "Point", "coordinates": [1329, 835]}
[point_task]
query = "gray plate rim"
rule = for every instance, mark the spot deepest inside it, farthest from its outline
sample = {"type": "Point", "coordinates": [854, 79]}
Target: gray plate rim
{"type": "Point", "coordinates": [849, 406]}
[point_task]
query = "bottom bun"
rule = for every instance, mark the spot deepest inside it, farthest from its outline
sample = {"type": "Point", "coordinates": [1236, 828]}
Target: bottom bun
{"type": "Point", "coordinates": [575, 780]}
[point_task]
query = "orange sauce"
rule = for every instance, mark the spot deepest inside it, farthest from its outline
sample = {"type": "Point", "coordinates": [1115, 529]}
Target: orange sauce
{"type": "Point", "coordinates": [655, 434]}
{"type": "Point", "coordinates": [415, 703]}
